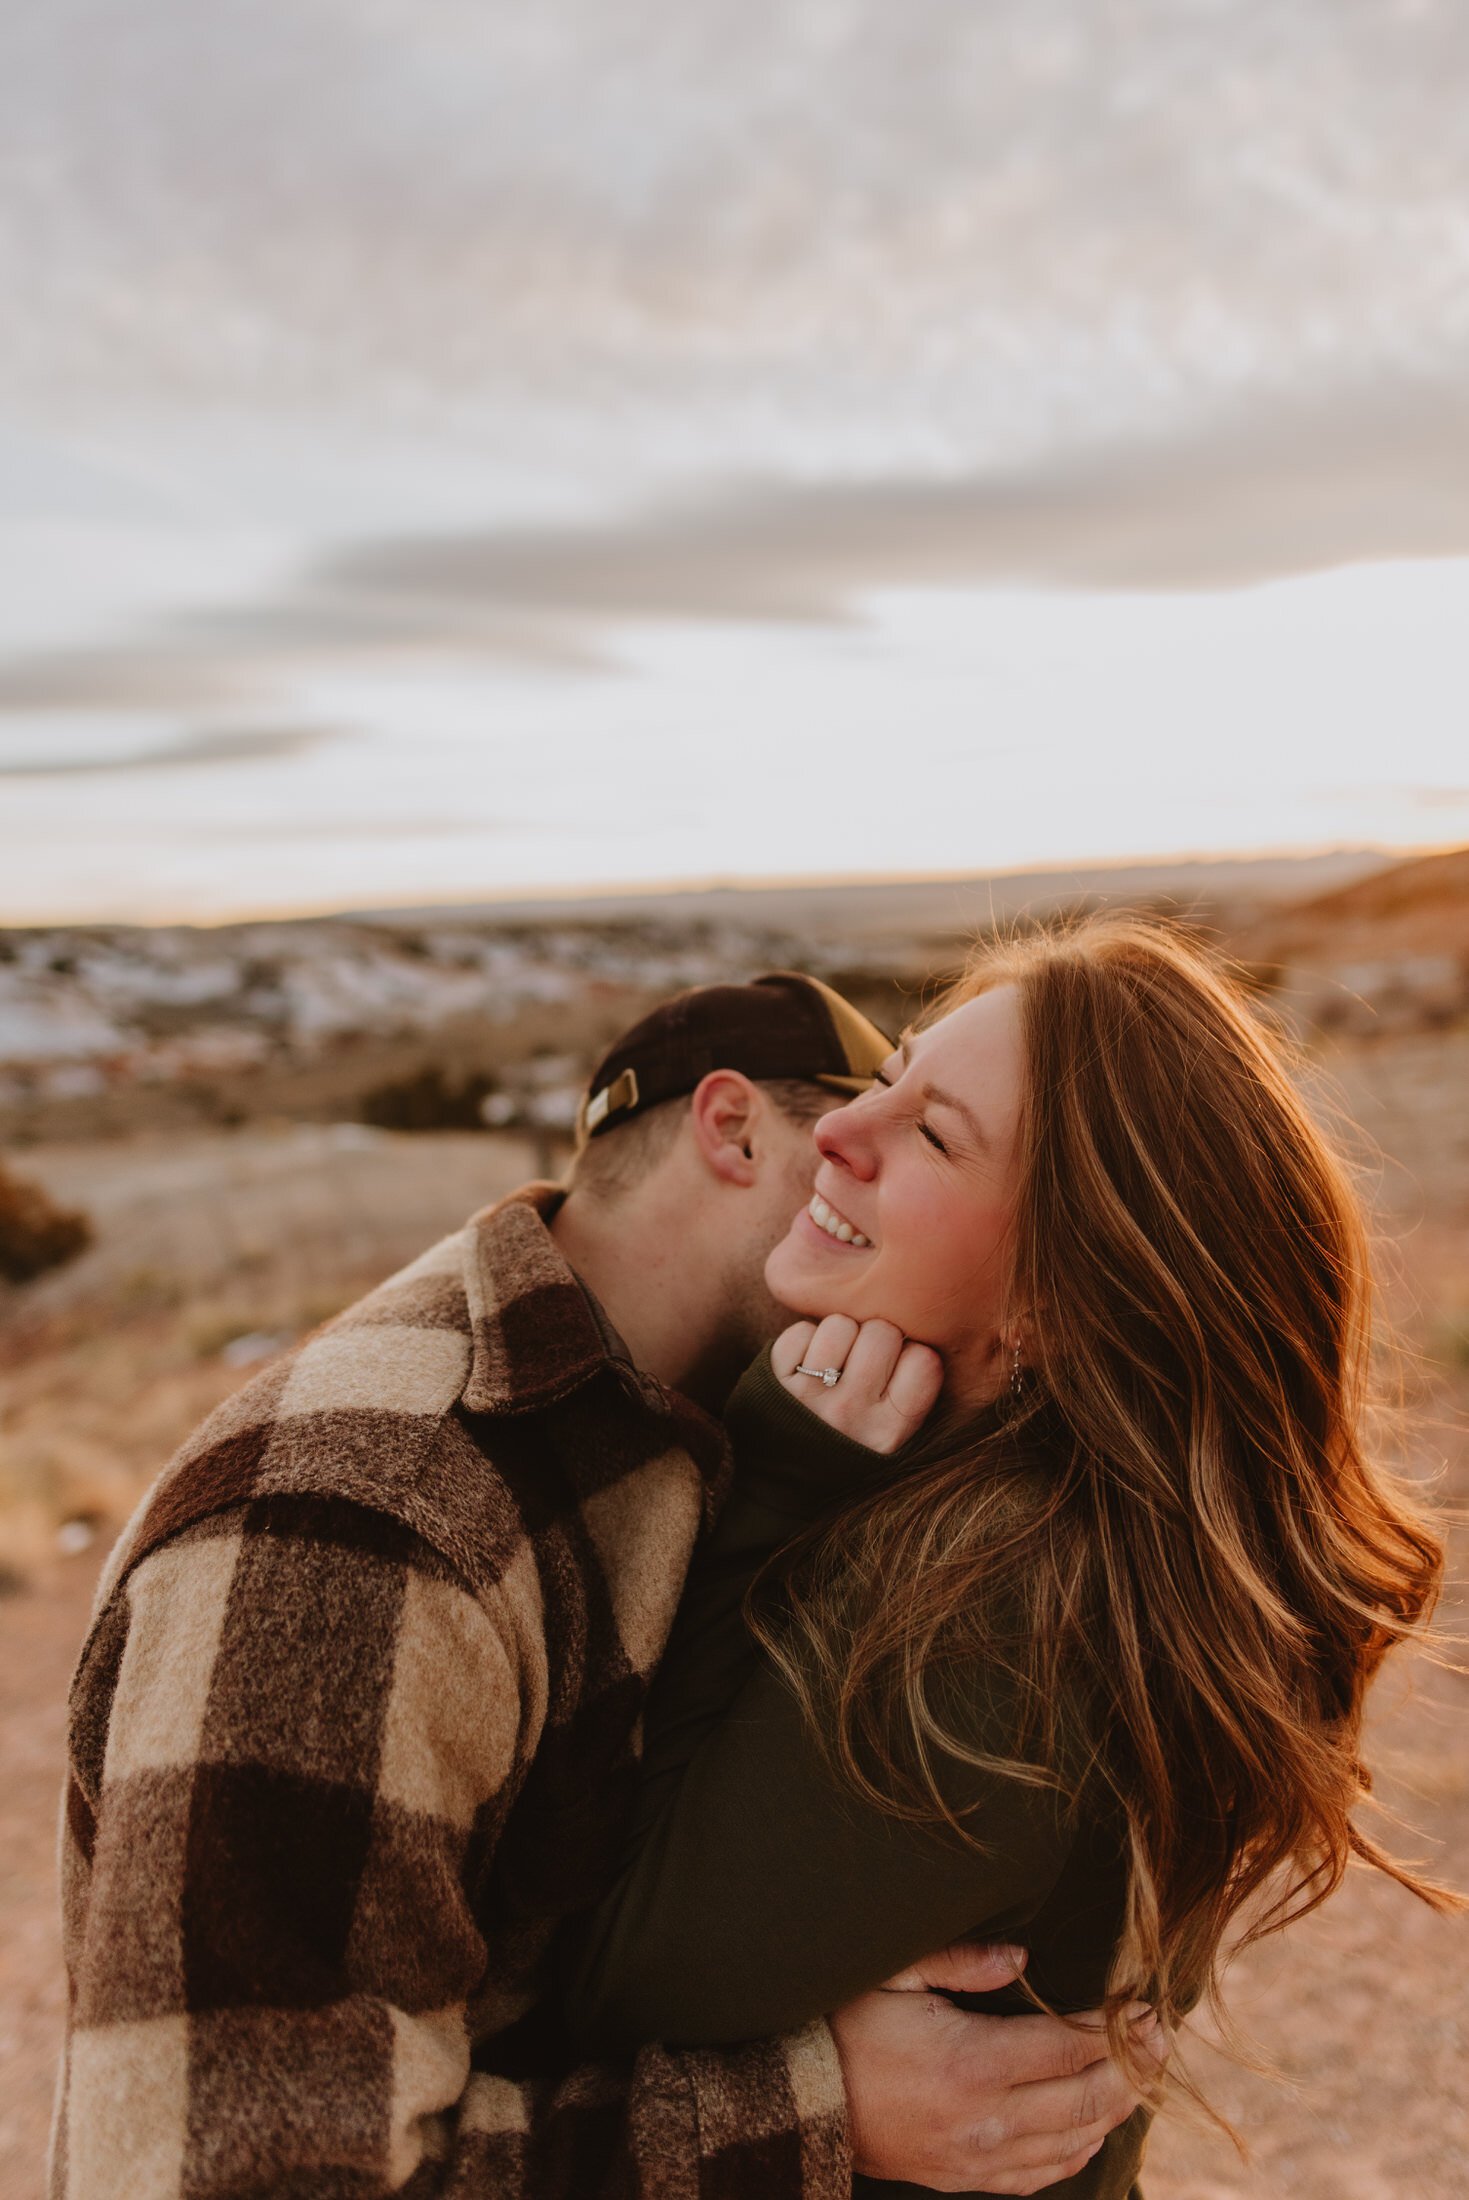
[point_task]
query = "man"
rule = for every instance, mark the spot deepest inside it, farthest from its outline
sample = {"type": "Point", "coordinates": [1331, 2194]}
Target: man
{"type": "Point", "coordinates": [357, 1722]}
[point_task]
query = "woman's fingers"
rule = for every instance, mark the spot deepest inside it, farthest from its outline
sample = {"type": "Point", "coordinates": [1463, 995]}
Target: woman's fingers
{"type": "Point", "coordinates": [874, 1353]}
{"type": "Point", "coordinates": [789, 1350]}
{"type": "Point", "coordinates": [914, 1385]}
{"type": "Point", "coordinates": [892, 1382]}
{"type": "Point", "coordinates": [864, 1358]}
{"type": "Point", "coordinates": [830, 1347]}
{"type": "Point", "coordinates": [883, 1383]}
{"type": "Point", "coordinates": [813, 1344]}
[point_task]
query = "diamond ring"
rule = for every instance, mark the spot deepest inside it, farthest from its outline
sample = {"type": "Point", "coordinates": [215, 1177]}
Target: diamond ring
{"type": "Point", "coordinates": [827, 1375]}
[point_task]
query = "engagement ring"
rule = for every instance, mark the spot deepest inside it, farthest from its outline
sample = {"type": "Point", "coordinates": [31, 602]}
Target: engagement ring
{"type": "Point", "coordinates": [827, 1375]}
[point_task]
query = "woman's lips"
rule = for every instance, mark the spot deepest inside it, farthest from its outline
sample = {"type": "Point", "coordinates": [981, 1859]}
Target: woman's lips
{"type": "Point", "coordinates": [822, 1220]}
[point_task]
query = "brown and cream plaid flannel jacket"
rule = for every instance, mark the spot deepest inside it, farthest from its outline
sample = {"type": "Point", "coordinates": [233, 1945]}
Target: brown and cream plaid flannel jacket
{"type": "Point", "coordinates": [353, 1732]}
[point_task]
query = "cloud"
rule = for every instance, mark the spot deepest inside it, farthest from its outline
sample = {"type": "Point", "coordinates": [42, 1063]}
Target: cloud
{"type": "Point", "coordinates": [246, 654]}
{"type": "Point", "coordinates": [147, 675]}
{"type": "Point", "coordinates": [220, 745]}
{"type": "Point", "coordinates": [952, 223]}
{"type": "Point", "coordinates": [334, 614]}
{"type": "Point", "coordinates": [1251, 501]}
{"type": "Point", "coordinates": [1247, 503]}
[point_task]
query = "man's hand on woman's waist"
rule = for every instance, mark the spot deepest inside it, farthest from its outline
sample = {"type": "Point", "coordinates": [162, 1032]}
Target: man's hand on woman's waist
{"type": "Point", "coordinates": [963, 2102]}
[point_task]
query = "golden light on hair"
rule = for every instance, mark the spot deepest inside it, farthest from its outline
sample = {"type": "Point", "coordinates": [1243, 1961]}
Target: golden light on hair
{"type": "Point", "coordinates": [1181, 1546]}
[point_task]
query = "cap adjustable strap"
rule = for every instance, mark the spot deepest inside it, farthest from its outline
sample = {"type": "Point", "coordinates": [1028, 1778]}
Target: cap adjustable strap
{"type": "Point", "coordinates": [612, 1099]}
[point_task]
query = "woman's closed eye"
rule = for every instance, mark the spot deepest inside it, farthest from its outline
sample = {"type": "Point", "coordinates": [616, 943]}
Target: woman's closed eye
{"type": "Point", "coordinates": [880, 1077]}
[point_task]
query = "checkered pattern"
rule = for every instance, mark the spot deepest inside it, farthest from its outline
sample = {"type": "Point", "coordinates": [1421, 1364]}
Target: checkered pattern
{"type": "Point", "coordinates": [354, 1731]}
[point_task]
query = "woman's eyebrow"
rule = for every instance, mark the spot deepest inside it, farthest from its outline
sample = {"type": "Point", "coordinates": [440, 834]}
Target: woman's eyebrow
{"type": "Point", "coordinates": [961, 1108]}
{"type": "Point", "coordinates": [942, 1099]}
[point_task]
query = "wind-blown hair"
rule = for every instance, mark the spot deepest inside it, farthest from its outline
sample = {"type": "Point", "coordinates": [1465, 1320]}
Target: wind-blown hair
{"type": "Point", "coordinates": [1178, 1530]}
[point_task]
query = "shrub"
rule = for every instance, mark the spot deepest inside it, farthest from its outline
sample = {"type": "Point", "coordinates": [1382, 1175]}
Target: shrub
{"type": "Point", "coordinates": [35, 1234]}
{"type": "Point", "coordinates": [428, 1102]}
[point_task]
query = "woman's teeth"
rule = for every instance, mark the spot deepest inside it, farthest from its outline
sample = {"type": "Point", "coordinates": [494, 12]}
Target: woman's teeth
{"type": "Point", "coordinates": [833, 1223]}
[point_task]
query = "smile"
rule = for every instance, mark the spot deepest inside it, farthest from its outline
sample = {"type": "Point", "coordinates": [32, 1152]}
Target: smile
{"type": "Point", "coordinates": [835, 1225]}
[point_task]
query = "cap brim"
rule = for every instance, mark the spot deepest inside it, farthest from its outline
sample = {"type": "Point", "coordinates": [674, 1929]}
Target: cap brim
{"type": "Point", "coordinates": [848, 1085]}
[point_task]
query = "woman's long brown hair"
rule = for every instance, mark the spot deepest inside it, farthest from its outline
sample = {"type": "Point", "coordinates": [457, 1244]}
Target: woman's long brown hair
{"type": "Point", "coordinates": [1179, 1532]}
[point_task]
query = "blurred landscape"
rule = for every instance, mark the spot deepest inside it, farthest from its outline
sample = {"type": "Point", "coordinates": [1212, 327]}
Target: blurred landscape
{"type": "Point", "coordinates": [450, 1018]}
{"type": "Point", "coordinates": [249, 1126]}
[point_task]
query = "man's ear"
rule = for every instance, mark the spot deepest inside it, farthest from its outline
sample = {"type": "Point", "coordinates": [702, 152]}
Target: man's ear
{"type": "Point", "coordinates": [723, 1114]}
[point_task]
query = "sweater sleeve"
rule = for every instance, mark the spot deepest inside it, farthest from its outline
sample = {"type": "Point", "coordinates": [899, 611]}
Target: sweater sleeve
{"type": "Point", "coordinates": [295, 1737]}
{"type": "Point", "coordinates": [758, 1892]}
{"type": "Point", "coordinates": [792, 1471]}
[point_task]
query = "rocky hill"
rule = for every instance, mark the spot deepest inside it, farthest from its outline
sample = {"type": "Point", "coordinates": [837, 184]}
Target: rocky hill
{"type": "Point", "coordinates": [450, 1018]}
{"type": "Point", "coordinates": [1389, 952]}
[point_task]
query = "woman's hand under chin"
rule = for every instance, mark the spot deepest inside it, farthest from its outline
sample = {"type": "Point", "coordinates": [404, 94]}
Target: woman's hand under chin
{"type": "Point", "coordinates": [887, 1384]}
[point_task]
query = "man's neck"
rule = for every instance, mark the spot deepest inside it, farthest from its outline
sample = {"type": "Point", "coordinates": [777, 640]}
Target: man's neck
{"type": "Point", "coordinates": [654, 1287]}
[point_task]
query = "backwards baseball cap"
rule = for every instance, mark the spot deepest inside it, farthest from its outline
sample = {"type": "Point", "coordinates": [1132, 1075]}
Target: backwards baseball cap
{"type": "Point", "coordinates": [782, 1025]}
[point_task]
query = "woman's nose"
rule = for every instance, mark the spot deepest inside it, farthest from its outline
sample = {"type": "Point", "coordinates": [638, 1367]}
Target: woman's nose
{"type": "Point", "coordinates": [841, 1136]}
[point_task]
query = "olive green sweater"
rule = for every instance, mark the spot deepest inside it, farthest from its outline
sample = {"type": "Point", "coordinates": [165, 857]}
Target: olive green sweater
{"type": "Point", "coordinates": [758, 1891]}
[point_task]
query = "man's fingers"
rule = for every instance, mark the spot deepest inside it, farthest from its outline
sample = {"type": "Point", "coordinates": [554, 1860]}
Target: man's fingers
{"type": "Point", "coordinates": [961, 2102]}
{"type": "Point", "coordinates": [965, 1967]}
{"type": "Point", "coordinates": [1027, 2051]}
{"type": "Point", "coordinates": [1067, 2155]}
{"type": "Point", "coordinates": [1098, 2099]}
{"type": "Point", "coordinates": [1047, 2174]}
{"type": "Point", "coordinates": [1031, 2162]}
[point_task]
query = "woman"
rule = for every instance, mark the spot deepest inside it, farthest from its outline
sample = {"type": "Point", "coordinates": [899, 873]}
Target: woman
{"type": "Point", "coordinates": [1084, 1667]}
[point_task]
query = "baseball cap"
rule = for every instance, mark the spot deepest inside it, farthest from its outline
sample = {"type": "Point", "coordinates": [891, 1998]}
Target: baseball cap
{"type": "Point", "coordinates": [781, 1025]}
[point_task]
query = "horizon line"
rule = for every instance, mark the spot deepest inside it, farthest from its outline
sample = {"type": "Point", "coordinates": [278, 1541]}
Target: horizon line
{"type": "Point", "coordinates": [755, 884]}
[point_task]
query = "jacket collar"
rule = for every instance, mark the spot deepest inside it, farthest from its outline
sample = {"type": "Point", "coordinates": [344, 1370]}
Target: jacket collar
{"type": "Point", "coordinates": [537, 1332]}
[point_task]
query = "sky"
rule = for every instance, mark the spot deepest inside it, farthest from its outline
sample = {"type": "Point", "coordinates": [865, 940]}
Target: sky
{"type": "Point", "coordinates": [457, 449]}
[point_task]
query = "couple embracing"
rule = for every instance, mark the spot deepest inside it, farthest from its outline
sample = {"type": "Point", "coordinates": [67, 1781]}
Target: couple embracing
{"type": "Point", "coordinates": [572, 1731]}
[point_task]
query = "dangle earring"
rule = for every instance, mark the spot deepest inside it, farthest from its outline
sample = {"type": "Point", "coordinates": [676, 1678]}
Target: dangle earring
{"type": "Point", "coordinates": [1016, 1384]}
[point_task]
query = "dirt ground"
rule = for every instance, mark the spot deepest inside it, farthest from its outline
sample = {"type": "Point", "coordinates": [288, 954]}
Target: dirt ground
{"type": "Point", "coordinates": [215, 1249]}
{"type": "Point", "coordinates": [212, 1250]}
{"type": "Point", "coordinates": [1362, 2009]}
